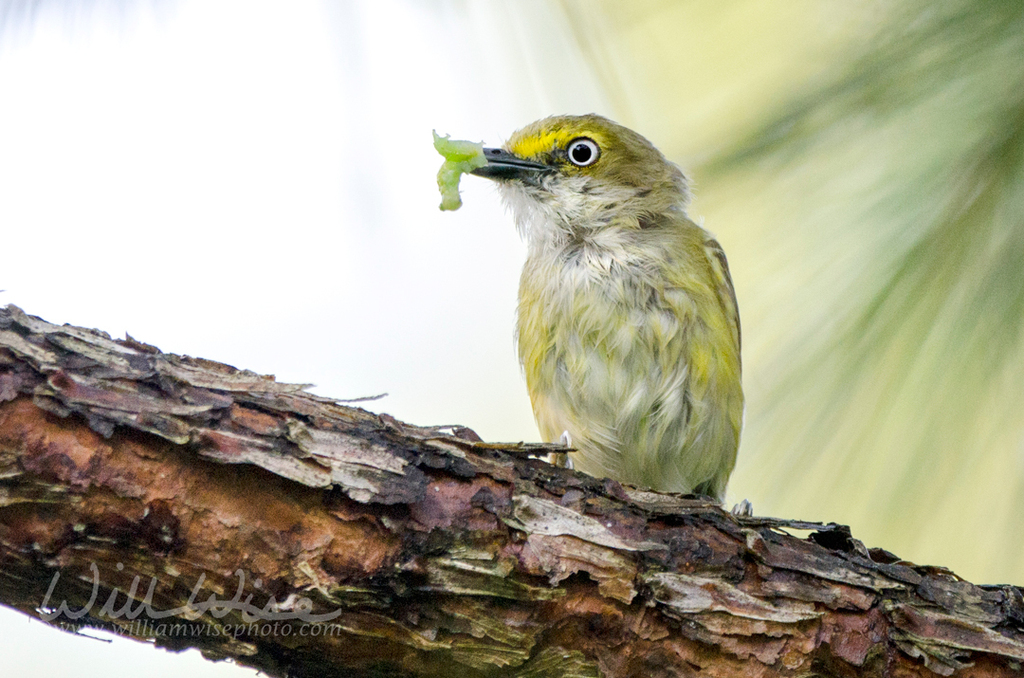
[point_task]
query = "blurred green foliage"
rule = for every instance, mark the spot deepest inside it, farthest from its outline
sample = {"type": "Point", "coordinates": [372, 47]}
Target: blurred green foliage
{"type": "Point", "coordinates": [869, 190]}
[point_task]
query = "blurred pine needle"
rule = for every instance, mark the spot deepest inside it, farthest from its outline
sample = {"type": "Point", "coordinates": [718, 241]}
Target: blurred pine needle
{"type": "Point", "coordinates": [872, 205]}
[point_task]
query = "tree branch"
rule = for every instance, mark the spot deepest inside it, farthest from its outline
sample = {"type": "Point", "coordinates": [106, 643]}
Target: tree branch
{"type": "Point", "coordinates": [362, 546]}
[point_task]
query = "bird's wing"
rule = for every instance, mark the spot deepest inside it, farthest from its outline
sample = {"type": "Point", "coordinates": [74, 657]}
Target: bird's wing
{"type": "Point", "coordinates": [723, 286]}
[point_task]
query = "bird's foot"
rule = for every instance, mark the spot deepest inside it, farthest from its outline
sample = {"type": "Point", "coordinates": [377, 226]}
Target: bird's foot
{"type": "Point", "coordinates": [744, 509]}
{"type": "Point", "coordinates": [565, 440]}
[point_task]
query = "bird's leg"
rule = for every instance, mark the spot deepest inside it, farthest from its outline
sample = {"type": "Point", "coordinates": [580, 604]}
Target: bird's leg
{"type": "Point", "coordinates": [562, 458]}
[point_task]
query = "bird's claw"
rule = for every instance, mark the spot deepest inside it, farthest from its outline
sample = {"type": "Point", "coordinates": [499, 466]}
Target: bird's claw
{"type": "Point", "coordinates": [744, 509]}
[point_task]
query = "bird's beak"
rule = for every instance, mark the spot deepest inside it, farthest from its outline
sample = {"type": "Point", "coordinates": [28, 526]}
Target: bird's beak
{"type": "Point", "coordinates": [503, 165]}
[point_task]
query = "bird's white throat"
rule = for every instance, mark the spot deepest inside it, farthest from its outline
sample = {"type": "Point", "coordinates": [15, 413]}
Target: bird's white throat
{"type": "Point", "coordinates": [565, 211]}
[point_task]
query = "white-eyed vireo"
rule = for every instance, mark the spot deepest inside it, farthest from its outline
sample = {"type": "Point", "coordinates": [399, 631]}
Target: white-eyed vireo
{"type": "Point", "coordinates": [628, 328]}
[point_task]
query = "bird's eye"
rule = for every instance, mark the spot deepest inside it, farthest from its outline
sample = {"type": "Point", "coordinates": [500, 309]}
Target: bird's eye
{"type": "Point", "coordinates": [583, 152]}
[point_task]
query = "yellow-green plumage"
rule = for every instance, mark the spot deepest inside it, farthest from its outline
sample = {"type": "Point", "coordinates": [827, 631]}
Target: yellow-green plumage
{"type": "Point", "coordinates": [628, 330]}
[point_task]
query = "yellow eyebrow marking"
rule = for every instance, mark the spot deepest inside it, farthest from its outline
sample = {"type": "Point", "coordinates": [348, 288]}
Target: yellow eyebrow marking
{"type": "Point", "coordinates": [535, 144]}
{"type": "Point", "coordinates": [532, 145]}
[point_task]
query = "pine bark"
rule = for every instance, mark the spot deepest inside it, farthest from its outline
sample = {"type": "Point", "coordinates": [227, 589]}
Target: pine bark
{"type": "Point", "coordinates": [348, 543]}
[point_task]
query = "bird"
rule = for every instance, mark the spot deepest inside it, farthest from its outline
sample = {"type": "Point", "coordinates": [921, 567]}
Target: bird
{"type": "Point", "coordinates": [627, 328]}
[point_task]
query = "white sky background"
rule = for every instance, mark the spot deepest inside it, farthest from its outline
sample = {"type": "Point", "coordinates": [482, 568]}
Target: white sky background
{"type": "Point", "coordinates": [253, 183]}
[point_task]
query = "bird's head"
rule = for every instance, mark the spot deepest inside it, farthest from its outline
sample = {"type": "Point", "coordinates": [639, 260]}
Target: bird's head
{"type": "Point", "coordinates": [576, 173]}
